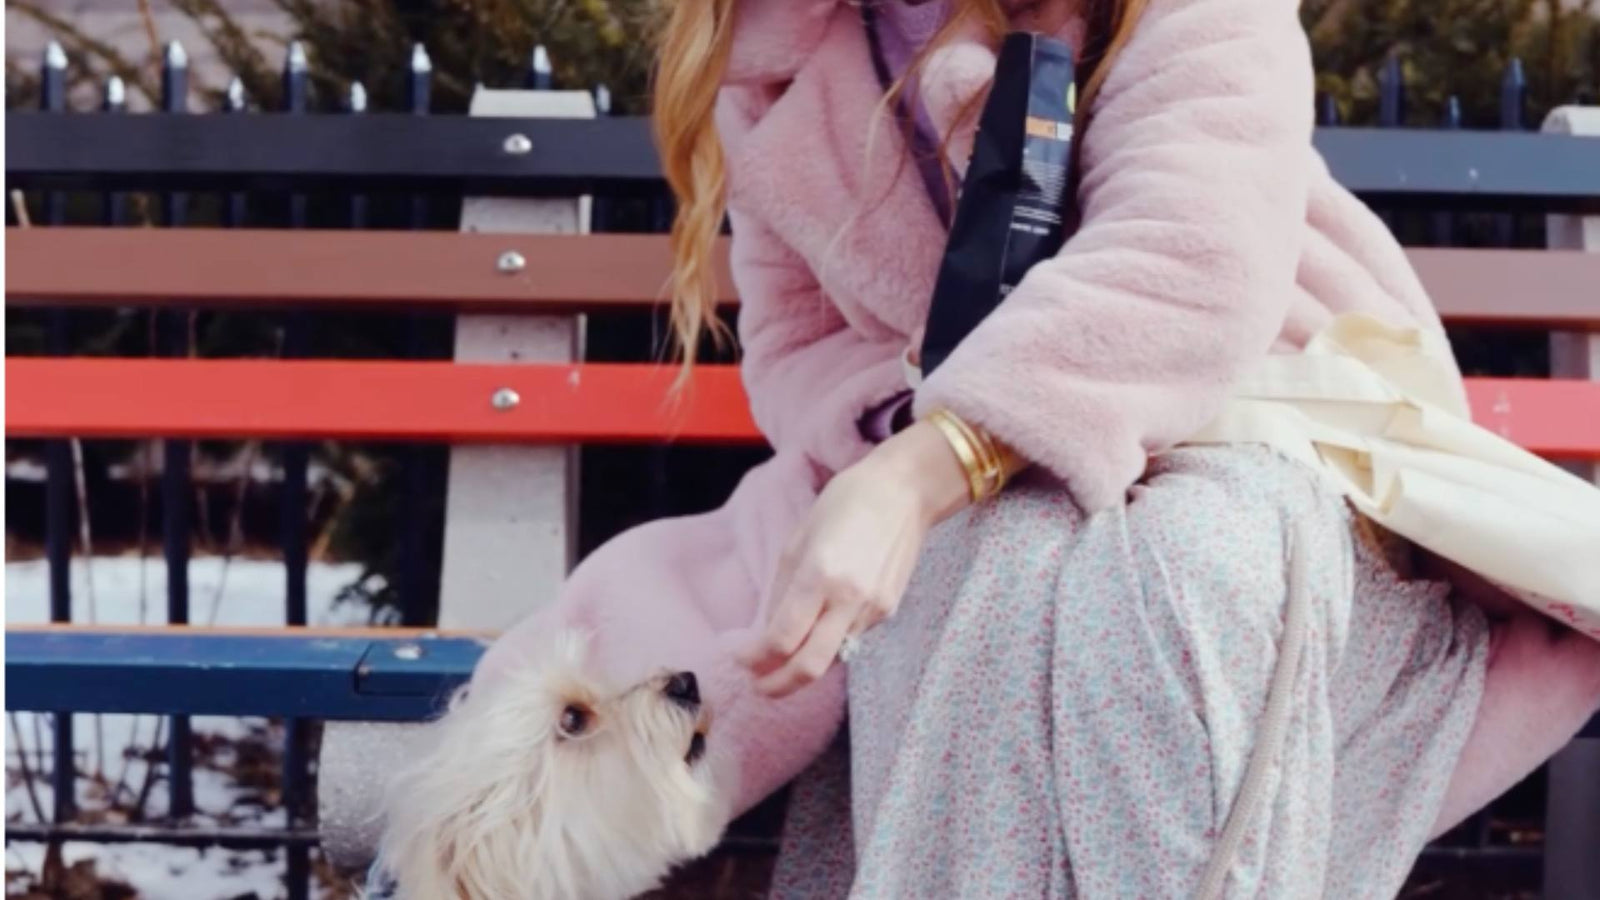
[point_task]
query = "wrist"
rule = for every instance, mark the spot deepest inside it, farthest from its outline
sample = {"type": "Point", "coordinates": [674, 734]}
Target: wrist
{"type": "Point", "coordinates": [921, 459]}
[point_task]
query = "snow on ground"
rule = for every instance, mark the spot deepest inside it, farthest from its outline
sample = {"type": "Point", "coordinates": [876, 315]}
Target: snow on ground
{"type": "Point", "coordinates": [168, 873]}
{"type": "Point", "coordinates": [128, 591]}
{"type": "Point", "coordinates": [123, 592]}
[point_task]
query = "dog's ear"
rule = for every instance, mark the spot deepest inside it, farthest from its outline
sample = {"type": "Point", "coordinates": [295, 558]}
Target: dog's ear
{"type": "Point", "coordinates": [458, 814]}
{"type": "Point", "coordinates": [572, 647]}
{"type": "Point", "coordinates": [546, 642]}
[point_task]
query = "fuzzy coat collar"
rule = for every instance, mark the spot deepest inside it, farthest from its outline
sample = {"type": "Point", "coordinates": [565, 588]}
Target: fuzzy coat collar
{"type": "Point", "coordinates": [773, 38]}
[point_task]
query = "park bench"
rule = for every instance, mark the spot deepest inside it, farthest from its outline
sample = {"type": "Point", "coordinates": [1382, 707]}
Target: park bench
{"type": "Point", "coordinates": [518, 392]}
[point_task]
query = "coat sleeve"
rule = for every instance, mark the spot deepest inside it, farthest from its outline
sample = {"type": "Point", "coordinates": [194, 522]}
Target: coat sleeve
{"type": "Point", "coordinates": [810, 376]}
{"type": "Point", "coordinates": [1196, 174]}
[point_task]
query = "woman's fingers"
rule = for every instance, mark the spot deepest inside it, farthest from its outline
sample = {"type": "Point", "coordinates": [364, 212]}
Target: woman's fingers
{"type": "Point", "coordinates": [813, 659]}
{"type": "Point", "coordinates": [871, 616]}
{"type": "Point", "coordinates": [795, 612]}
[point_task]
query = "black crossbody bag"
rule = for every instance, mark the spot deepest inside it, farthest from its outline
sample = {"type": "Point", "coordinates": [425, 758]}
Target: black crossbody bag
{"type": "Point", "coordinates": [1018, 201]}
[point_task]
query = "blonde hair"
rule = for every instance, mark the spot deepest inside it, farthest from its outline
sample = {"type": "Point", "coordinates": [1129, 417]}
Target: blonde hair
{"type": "Point", "coordinates": [693, 58]}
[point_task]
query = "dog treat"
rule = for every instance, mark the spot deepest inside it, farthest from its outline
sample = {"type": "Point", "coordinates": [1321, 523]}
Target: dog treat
{"type": "Point", "coordinates": [1014, 202]}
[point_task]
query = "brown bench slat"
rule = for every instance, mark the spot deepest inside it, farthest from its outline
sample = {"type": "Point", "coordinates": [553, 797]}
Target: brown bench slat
{"type": "Point", "coordinates": [1535, 288]}
{"type": "Point", "coordinates": [447, 270]}
{"type": "Point", "coordinates": [350, 269]}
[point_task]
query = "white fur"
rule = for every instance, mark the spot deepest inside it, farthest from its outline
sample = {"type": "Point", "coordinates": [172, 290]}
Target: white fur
{"type": "Point", "coordinates": [501, 806]}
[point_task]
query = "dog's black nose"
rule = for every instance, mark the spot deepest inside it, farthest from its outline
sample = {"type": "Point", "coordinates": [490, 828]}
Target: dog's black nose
{"type": "Point", "coordinates": [684, 689]}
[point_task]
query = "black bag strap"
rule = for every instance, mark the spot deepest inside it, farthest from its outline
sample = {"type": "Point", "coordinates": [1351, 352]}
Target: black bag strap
{"type": "Point", "coordinates": [1097, 41]}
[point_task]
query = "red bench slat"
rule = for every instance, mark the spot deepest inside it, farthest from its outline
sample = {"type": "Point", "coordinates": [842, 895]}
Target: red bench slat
{"type": "Point", "coordinates": [386, 401]}
{"type": "Point", "coordinates": [1558, 418]}
{"type": "Point", "coordinates": [586, 403]}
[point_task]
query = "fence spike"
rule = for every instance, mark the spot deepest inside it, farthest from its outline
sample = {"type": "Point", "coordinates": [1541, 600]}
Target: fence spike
{"type": "Point", "coordinates": [541, 75]}
{"type": "Point", "coordinates": [1392, 93]}
{"type": "Point", "coordinates": [419, 83]}
{"type": "Point", "coordinates": [235, 207]}
{"type": "Point", "coordinates": [116, 96]}
{"type": "Point", "coordinates": [1452, 113]}
{"type": "Point", "coordinates": [233, 100]}
{"type": "Point", "coordinates": [52, 86]}
{"type": "Point", "coordinates": [1513, 95]}
{"type": "Point", "coordinates": [53, 79]}
{"type": "Point", "coordinates": [175, 78]}
{"type": "Point", "coordinates": [294, 78]}
{"type": "Point", "coordinates": [1327, 110]}
{"type": "Point", "coordinates": [356, 99]}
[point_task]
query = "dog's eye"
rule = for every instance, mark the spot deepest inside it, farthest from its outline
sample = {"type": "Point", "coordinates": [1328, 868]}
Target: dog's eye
{"type": "Point", "coordinates": [574, 721]}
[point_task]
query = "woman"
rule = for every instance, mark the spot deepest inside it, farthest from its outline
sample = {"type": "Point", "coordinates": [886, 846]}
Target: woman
{"type": "Point", "coordinates": [1064, 700]}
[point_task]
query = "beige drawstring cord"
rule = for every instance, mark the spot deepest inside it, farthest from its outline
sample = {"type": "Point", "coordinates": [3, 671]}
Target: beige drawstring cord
{"type": "Point", "coordinates": [1274, 723]}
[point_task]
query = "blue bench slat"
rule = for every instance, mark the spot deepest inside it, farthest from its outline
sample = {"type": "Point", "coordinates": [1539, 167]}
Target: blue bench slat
{"type": "Point", "coordinates": [178, 672]}
{"type": "Point", "coordinates": [303, 676]}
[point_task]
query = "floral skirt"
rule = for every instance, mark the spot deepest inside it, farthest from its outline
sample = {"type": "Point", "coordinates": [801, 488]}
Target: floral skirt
{"type": "Point", "coordinates": [1064, 707]}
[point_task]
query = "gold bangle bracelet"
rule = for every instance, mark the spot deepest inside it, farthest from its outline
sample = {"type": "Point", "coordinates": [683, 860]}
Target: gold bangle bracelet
{"type": "Point", "coordinates": [980, 459]}
{"type": "Point", "coordinates": [994, 469]}
{"type": "Point", "coordinates": [966, 452]}
{"type": "Point", "coordinates": [988, 473]}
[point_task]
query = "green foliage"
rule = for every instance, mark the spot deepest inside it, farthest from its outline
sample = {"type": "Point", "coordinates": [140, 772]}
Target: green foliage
{"type": "Point", "coordinates": [1459, 47]}
{"type": "Point", "coordinates": [1445, 47]}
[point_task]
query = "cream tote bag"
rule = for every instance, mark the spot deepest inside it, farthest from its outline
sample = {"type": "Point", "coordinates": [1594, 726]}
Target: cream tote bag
{"type": "Point", "coordinates": [1379, 411]}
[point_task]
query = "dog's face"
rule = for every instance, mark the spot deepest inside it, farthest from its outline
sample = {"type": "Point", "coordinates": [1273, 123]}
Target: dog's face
{"type": "Point", "coordinates": [550, 785]}
{"type": "Point", "coordinates": [629, 769]}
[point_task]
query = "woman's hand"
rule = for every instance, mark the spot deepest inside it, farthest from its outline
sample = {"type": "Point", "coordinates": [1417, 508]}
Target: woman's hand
{"type": "Point", "coordinates": [849, 561]}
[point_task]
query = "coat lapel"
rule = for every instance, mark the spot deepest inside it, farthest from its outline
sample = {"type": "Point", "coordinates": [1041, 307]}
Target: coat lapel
{"type": "Point", "coordinates": [867, 228]}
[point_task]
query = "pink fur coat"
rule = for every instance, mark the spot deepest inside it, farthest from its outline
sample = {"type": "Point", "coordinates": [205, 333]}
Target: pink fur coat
{"type": "Point", "coordinates": [1212, 234]}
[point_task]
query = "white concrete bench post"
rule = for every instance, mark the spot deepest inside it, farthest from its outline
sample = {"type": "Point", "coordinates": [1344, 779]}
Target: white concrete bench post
{"type": "Point", "coordinates": [510, 512]}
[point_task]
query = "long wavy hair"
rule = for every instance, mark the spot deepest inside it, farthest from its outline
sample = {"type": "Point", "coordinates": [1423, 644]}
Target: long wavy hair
{"type": "Point", "coordinates": [693, 58]}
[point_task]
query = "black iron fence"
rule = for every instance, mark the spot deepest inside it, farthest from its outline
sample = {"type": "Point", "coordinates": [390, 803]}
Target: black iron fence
{"type": "Point", "coordinates": [1438, 185]}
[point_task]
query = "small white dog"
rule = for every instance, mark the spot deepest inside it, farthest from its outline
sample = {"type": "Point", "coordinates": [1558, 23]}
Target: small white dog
{"type": "Point", "coordinates": [548, 786]}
